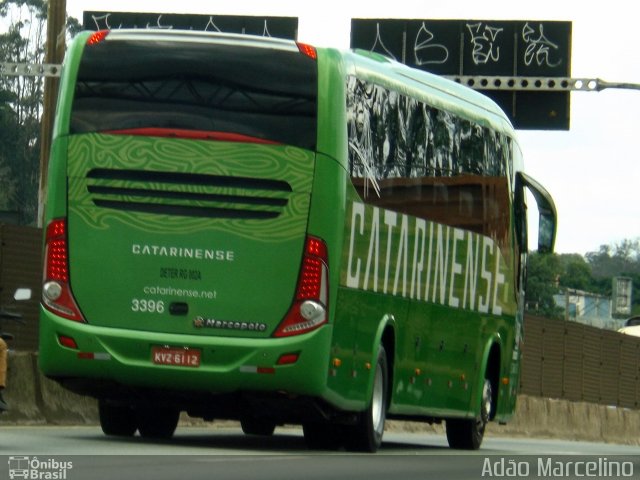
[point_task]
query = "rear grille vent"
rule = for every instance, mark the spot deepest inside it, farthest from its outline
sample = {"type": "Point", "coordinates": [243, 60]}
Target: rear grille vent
{"type": "Point", "coordinates": [188, 194]}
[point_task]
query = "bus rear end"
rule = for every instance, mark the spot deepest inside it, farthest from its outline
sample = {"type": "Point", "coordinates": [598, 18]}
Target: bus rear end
{"type": "Point", "coordinates": [180, 272]}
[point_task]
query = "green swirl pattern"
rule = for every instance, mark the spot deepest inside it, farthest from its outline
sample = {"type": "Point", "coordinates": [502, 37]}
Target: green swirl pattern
{"type": "Point", "coordinates": [119, 152]}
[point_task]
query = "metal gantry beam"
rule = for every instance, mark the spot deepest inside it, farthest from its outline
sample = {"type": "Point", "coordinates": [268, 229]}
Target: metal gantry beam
{"type": "Point", "coordinates": [30, 69]}
{"type": "Point", "coordinates": [477, 82]}
{"type": "Point", "coordinates": [538, 84]}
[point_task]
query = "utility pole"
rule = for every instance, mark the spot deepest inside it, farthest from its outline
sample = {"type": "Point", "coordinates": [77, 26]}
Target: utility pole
{"type": "Point", "coordinates": [56, 33]}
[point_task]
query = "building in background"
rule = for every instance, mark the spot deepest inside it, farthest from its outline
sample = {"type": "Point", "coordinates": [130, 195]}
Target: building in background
{"type": "Point", "coordinates": [587, 308]}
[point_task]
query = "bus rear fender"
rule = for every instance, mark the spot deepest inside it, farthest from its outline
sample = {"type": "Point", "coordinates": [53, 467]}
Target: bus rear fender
{"type": "Point", "coordinates": [490, 368]}
{"type": "Point", "coordinates": [385, 336]}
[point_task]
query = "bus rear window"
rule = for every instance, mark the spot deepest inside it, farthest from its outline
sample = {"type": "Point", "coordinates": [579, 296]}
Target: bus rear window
{"type": "Point", "coordinates": [231, 90]}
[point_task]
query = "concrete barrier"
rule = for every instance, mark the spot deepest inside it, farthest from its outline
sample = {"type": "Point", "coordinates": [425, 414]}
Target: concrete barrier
{"type": "Point", "coordinates": [34, 399]}
{"type": "Point", "coordinates": [551, 418]}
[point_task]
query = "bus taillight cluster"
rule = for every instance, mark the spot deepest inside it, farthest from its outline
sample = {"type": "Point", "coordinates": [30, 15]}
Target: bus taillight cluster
{"type": "Point", "coordinates": [309, 310]}
{"type": "Point", "coordinates": [56, 292]}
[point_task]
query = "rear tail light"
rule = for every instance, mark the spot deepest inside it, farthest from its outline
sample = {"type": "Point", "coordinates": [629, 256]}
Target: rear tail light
{"type": "Point", "coordinates": [288, 358]}
{"type": "Point", "coordinates": [68, 342]}
{"type": "Point", "coordinates": [308, 50]}
{"type": "Point", "coordinates": [97, 37]}
{"type": "Point", "coordinates": [56, 292]}
{"type": "Point", "coordinates": [309, 309]}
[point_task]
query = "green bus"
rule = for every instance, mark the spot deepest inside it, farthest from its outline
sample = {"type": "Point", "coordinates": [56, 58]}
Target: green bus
{"type": "Point", "coordinates": [260, 230]}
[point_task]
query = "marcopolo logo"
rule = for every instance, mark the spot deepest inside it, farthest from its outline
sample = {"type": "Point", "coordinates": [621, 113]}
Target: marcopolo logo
{"type": "Point", "coordinates": [201, 322]}
{"type": "Point", "coordinates": [38, 469]}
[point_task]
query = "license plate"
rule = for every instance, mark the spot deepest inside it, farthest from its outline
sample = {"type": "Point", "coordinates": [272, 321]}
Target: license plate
{"type": "Point", "coordinates": [180, 357]}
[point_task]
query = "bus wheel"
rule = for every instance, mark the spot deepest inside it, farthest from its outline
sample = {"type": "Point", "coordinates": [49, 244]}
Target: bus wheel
{"type": "Point", "coordinates": [257, 426]}
{"type": "Point", "coordinates": [366, 434]}
{"type": "Point", "coordinates": [157, 422]}
{"type": "Point", "coordinates": [468, 434]}
{"type": "Point", "coordinates": [117, 420]}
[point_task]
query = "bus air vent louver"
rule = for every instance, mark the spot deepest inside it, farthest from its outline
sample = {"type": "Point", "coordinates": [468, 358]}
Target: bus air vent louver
{"type": "Point", "coordinates": [188, 194]}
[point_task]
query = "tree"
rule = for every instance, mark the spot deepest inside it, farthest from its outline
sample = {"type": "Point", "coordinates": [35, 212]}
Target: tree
{"type": "Point", "coordinates": [543, 276]}
{"type": "Point", "coordinates": [23, 42]}
{"type": "Point", "coordinates": [575, 273]}
{"type": "Point", "coordinates": [549, 274]}
{"type": "Point", "coordinates": [23, 25]}
{"type": "Point", "coordinates": [8, 185]}
{"type": "Point", "coordinates": [617, 260]}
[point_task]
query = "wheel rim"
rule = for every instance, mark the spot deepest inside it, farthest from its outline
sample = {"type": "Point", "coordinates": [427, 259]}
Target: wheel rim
{"type": "Point", "coordinates": [377, 406]}
{"type": "Point", "coordinates": [487, 394]}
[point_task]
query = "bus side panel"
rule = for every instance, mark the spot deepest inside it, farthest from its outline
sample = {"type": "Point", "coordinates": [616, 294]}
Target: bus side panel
{"type": "Point", "coordinates": [359, 318]}
{"type": "Point", "coordinates": [326, 215]}
{"type": "Point", "coordinates": [332, 113]}
{"type": "Point", "coordinates": [450, 291]}
{"type": "Point", "coordinates": [57, 180]}
{"type": "Point", "coordinates": [438, 355]}
{"type": "Point", "coordinates": [68, 78]}
{"type": "Point", "coordinates": [443, 346]}
{"type": "Point", "coordinates": [510, 367]}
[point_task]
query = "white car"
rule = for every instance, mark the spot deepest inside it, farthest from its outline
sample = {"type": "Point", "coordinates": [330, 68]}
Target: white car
{"type": "Point", "coordinates": [631, 326]}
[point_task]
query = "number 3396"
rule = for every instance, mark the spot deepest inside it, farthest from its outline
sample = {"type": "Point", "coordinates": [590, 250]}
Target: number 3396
{"type": "Point", "coordinates": [147, 306]}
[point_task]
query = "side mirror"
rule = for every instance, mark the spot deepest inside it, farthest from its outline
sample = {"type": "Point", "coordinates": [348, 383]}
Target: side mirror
{"type": "Point", "coordinates": [547, 222]}
{"type": "Point", "coordinates": [22, 294]}
{"type": "Point", "coordinates": [546, 232]}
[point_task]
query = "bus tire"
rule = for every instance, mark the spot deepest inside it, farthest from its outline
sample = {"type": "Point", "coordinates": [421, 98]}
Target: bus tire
{"type": "Point", "coordinates": [117, 420]}
{"type": "Point", "coordinates": [366, 434]}
{"type": "Point", "coordinates": [465, 434]}
{"type": "Point", "coordinates": [157, 422]}
{"type": "Point", "coordinates": [257, 426]}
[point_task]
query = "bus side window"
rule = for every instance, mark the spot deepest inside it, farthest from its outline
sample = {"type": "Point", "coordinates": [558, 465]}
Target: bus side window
{"type": "Point", "coordinates": [521, 229]}
{"type": "Point", "coordinates": [410, 157]}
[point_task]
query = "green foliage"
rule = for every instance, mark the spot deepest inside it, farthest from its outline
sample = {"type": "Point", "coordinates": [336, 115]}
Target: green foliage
{"type": "Point", "coordinates": [543, 274]}
{"type": "Point", "coordinates": [617, 260]}
{"type": "Point", "coordinates": [73, 28]}
{"type": "Point", "coordinates": [575, 273]}
{"type": "Point", "coordinates": [549, 274]}
{"type": "Point", "coordinates": [8, 185]}
{"type": "Point", "coordinates": [21, 108]}
{"type": "Point", "coordinates": [23, 25]}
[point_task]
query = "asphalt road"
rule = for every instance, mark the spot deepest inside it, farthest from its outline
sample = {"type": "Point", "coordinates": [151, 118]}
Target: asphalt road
{"type": "Point", "coordinates": [84, 453]}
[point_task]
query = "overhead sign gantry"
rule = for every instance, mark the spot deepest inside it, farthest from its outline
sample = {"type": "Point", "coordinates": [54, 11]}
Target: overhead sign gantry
{"type": "Point", "coordinates": [488, 55]}
{"type": "Point", "coordinates": [523, 65]}
{"type": "Point", "coordinates": [267, 26]}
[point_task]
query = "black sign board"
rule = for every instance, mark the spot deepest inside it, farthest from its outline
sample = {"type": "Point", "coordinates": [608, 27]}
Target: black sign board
{"type": "Point", "coordinates": [280, 27]}
{"type": "Point", "coordinates": [482, 48]}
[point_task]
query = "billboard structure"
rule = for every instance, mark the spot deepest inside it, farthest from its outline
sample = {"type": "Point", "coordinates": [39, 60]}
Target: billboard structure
{"type": "Point", "coordinates": [481, 48]}
{"type": "Point", "coordinates": [622, 296]}
{"type": "Point", "coordinates": [280, 27]}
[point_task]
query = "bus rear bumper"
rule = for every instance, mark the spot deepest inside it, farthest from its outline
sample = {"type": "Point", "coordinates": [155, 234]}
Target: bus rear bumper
{"type": "Point", "coordinates": [97, 360]}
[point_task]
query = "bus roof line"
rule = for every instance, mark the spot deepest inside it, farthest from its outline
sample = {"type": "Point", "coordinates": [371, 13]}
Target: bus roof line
{"type": "Point", "coordinates": [449, 88]}
{"type": "Point", "coordinates": [202, 37]}
{"type": "Point", "coordinates": [493, 115]}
